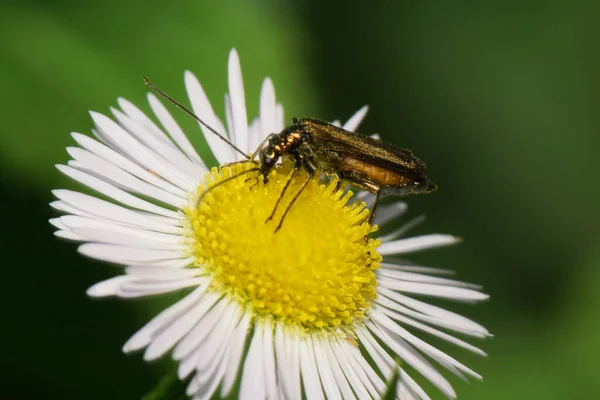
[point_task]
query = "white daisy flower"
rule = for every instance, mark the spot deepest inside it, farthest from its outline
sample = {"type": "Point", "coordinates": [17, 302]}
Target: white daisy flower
{"type": "Point", "coordinates": [314, 300]}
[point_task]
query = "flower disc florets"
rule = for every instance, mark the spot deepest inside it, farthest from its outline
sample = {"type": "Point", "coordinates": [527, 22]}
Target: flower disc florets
{"type": "Point", "coordinates": [317, 271]}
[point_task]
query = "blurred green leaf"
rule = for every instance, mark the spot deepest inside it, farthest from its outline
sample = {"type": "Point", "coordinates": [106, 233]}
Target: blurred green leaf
{"type": "Point", "coordinates": [392, 385]}
{"type": "Point", "coordinates": [169, 388]}
{"type": "Point", "coordinates": [61, 62]}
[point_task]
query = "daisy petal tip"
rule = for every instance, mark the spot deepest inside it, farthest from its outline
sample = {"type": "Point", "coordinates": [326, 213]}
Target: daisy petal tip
{"type": "Point", "coordinates": [152, 354]}
{"type": "Point", "coordinates": [95, 114]}
{"type": "Point", "coordinates": [55, 222]}
{"type": "Point", "coordinates": [233, 56]}
{"type": "Point", "coordinates": [268, 82]}
{"type": "Point", "coordinates": [57, 193]}
{"type": "Point", "coordinates": [96, 291]}
{"type": "Point", "coordinates": [84, 249]}
{"type": "Point", "coordinates": [123, 102]}
{"type": "Point", "coordinates": [136, 343]}
{"type": "Point", "coordinates": [62, 168]}
{"type": "Point", "coordinates": [187, 74]}
{"type": "Point", "coordinates": [72, 150]}
{"type": "Point", "coordinates": [151, 98]}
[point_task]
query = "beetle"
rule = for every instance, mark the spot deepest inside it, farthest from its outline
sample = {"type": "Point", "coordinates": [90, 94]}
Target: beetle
{"type": "Point", "coordinates": [364, 162]}
{"type": "Point", "coordinates": [317, 147]}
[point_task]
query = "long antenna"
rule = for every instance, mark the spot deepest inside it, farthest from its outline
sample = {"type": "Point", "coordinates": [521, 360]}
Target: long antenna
{"type": "Point", "coordinates": [187, 111]}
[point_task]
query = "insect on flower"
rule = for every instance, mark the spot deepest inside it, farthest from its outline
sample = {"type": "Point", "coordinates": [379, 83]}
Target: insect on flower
{"type": "Point", "coordinates": [320, 309]}
{"type": "Point", "coordinates": [316, 147]}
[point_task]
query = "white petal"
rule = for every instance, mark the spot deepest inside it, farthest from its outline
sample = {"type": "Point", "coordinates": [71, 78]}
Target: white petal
{"type": "Point", "coordinates": [172, 127]}
{"type": "Point", "coordinates": [268, 109]}
{"type": "Point", "coordinates": [269, 361]}
{"type": "Point", "coordinates": [414, 359]}
{"type": "Point", "coordinates": [404, 265]}
{"type": "Point", "coordinates": [69, 235]}
{"type": "Point", "coordinates": [308, 368]}
{"type": "Point", "coordinates": [425, 328]}
{"type": "Point", "coordinates": [417, 243]}
{"type": "Point", "coordinates": [425, 347]}
{"type": "Point", "coordinates": [344, 352]}
{"type": "Point", "coordinates": [202, 108]}
{"type": "Point", "coordinates": [108, 237]}
{"type": "Point", "coordinates": [283, 361]}
{"type": "Point", "coordinates": [78, 222]}
{"type": "Point", "coordinates": [126, 255]}
{"type": "Point", "coordinates": [380, 357]}
{"type": "Point", "coordinates": [201, 331]}
{"type": "Point", "coordinates": [337, 123]}
{"type": "Point", "coordinates": [67, 208]}
{"type": "Point", "coordinates": [427, 289]}
{"type": "Point", "coordinates": [160, 273]}
{"type": "Point", "coordinates": [125, 163]}
{"type": "Point", "coordinates": [109, 172]}
{"type": "Point", "coordinates": [330, 386]}
{"type": "Point", "coordinates": [168, 337]}
{"type": "Point", "coordinates": [143, 337]}
{"type": "Point", "coordinates": [174, 263]}
{"type": "Point", "coordinates": [403, 229]}
{"type": "Point", "coordinates": [253, 381]}
{"type": "Point", "coordinates": [108, 287]}
{"type": "Point", "coordinates": [208, 383]}
{"type": "Point", "coordinates": [148, 288]}
{"type": "Point", "coordinates": [279, 118]}
{"type": "Point", "coordinates": [354, 381]}
{"type": "Point", "coordinates": [217, 343]}
{"type": "Point", "coordinates": [340, 379]}
{"type": "Point", "coordinates": [238, 101]}
{"type": "Point", "coordinates": [234, 356]}
{"type": "Point", "coordinates": [115, 193]}
{"type": "Point", "coordinates": [367, 373]}
{"type": "Point", "coordinates": [288, 363]}
{"type": "Point", "coordinates": [142, 119]}
{"type": "Point", "coordinates": [94, 207]}
{"type": "Point", "coordinates": [127, 144]}
{"type": "Point", "coordinates": [254, 134]}
{"type": "Point", "coordinates": [187, 169]}
{"type": "Point", "coordinates": [353, 123]}
{"type": "Point", "coordinates": [387, 212]}
{"type": "Point", "coordinates": [385, 362]}
{"type": "Point", "coordinates": [58, 223]}
{"type": "Point", "coordinates": [450, 318]}
{"type": "Point", "coordinates": [229, 121]}
{"type": "Point", "coordinates": [414, 277]}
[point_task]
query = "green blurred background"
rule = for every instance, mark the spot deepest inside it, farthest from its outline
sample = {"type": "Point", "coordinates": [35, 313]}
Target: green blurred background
{"type": "Point", "coordinates": [501, 99]}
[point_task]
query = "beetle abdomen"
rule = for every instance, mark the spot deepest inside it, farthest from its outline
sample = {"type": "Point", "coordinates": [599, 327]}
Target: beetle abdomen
{"type": "Point", "coordinates": [384, 177]}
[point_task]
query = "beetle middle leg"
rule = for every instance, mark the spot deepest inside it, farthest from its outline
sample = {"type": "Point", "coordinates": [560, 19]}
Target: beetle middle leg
{"type": "Point", "coordinates": [285, 188]}
{"type": "Point", "coordinates": [308, 179]}
{"type": "Point", "coordinates": [209, 189]}
{"type": "Point", "coordinates": [364, 184]}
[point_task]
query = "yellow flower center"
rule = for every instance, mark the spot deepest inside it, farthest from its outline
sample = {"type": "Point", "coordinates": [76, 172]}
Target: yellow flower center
{"type": "Point", "coordinates": [317, 271]}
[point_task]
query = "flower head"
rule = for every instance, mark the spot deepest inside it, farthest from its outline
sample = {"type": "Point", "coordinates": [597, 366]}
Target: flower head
{"type": "Point", "coordinates": [314, 298]}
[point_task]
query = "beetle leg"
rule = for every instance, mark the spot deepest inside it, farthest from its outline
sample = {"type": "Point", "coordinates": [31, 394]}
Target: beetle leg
{"type": "Point", "coordinates": [222, 182]}
{"type": "Point", "coordinates": [285, 188]}
{"type": "Point", "coordinates": [260, 146]}
{"type": "Point", "coordinates": [375, 203]}
{"type": "Point", "coordinates": [310, 176]}
{"type": "Point", "coordinates": [361, 183]}
{"type": "Point", "coordinates": [231, 164]}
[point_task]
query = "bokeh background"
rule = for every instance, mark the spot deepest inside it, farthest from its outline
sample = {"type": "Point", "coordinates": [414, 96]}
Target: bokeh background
{"type": "Point", "coordinates": [502, 99]}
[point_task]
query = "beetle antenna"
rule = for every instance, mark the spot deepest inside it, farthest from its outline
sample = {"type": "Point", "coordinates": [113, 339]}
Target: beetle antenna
{"type": "Point", "coordinates": [187, 111]}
